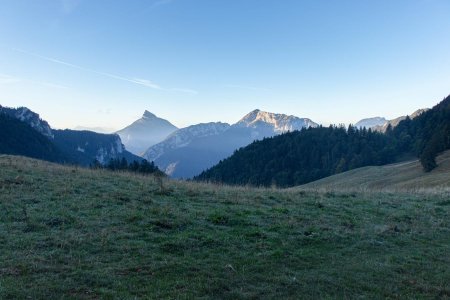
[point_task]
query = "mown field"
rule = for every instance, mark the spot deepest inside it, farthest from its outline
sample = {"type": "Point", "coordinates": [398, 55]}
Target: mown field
{"type": "Point", "coordinates": [71, 233]}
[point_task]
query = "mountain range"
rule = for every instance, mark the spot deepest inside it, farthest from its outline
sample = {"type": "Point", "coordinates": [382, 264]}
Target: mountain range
{"type": "Point", "coordinates": [381, 123]}
{"type": "Point", "coordinates": [185, 152]}
{"type": "Point", "coordinates": [394, 122]}
{"type": "Point", "coordinates": [189, 151]}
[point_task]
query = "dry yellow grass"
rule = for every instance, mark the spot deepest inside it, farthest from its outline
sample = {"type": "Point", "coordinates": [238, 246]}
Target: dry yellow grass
{"type": "Point", "coordinates": [406, 176]}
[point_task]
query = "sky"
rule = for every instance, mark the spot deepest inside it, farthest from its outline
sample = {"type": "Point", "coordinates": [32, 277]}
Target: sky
{"type": "Point", "coordinates": [102, 63]}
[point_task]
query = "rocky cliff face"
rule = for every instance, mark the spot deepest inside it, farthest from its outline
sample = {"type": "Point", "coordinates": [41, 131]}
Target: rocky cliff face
{"type": "Point", "coordinates": [280, 123]}
{"type": "Point", "coordinates": [87, 146]}
{"type": "Point", "coordinates": [29, 117]}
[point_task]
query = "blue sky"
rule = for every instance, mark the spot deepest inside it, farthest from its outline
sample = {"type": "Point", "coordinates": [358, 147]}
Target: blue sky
{"type": "Point", "coordinates": [102, 62]}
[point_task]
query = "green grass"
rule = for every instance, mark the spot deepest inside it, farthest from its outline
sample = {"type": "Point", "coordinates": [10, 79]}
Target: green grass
{"type": "Point", "coordinates": [71, 233]}
{"type": "Point", "coordinates": [400, 177]}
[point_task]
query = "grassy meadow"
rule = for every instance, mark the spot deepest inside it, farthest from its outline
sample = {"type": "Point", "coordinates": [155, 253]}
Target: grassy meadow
{"type": "Point", "coordinates": [401, 177]}
{"type": "Point", "coordinates": [73, 233]}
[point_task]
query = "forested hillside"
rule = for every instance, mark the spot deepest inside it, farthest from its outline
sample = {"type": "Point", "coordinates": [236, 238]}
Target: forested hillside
{"type": "Point", "coordinates": [303, 156]}
{"type": "Point", "coordinates": [427, 135]}
{"type": "Point", "coordinates": [299, 157]}
{"type": "Point", "coordinates": [18, 138]}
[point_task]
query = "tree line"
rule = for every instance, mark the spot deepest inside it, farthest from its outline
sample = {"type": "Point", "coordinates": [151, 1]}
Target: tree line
{"type": "Point", "coordinates": [142, 167]}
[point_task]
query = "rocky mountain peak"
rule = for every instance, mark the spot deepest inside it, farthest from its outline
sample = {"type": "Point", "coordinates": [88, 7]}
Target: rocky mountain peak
{"type": "Point", "coordinates": [148, 115]}
{"type": "Point", "coordinates": [371, 122]}
{"type": "Point", "coordinates": [279, 122]}
{"type": "Point", "coordinates": [31, 118]}
{"type": "Point", "coordinates": [145, 132]}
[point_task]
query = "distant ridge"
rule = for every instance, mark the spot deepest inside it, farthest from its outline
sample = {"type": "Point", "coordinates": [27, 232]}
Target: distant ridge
{"type": "Point", "coordinates": [279, 122]}
{"type": "Point", "coordinates": [371, 122]}
{"type": "Point", "coordinates": [94, 129]}
{"type": "Point", "coordinates": [183, 137]}
{"type": "Point", "coordinates": [381, 123]}
{"type": "Point", "coordinates": [394, 122]}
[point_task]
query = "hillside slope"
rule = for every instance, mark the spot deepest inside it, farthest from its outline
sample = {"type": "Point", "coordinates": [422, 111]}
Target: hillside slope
{"type": "Point", "coordinates": [83, 147]}
{"type": "Point", "coordinates": [73, 233]}
{"type": "Point", "coordinates": [401, 176]}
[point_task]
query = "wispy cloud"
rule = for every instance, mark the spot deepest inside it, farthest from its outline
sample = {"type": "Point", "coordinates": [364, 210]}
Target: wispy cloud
{"type": "Point", "coordinates": [139, 81]}
{"type": "Point", "coordinates": [69, 6]}
{"type": "Point", "coordinates": [146, 83]}
{"type": "Point", "coordinates": [246, 87]}
{"type": "Point", "coordinates": [186, 91]}
{"type": "Point", "coordinates": [8, 79]}
{"type": "Point", "coordinates": [143, 82]}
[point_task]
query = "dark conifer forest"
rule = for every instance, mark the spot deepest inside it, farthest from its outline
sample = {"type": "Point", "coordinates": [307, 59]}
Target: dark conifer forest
{"type": "Point", "coordinates": [141, 167]}
{"type": "Point", "coordinates": [426, 136]}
